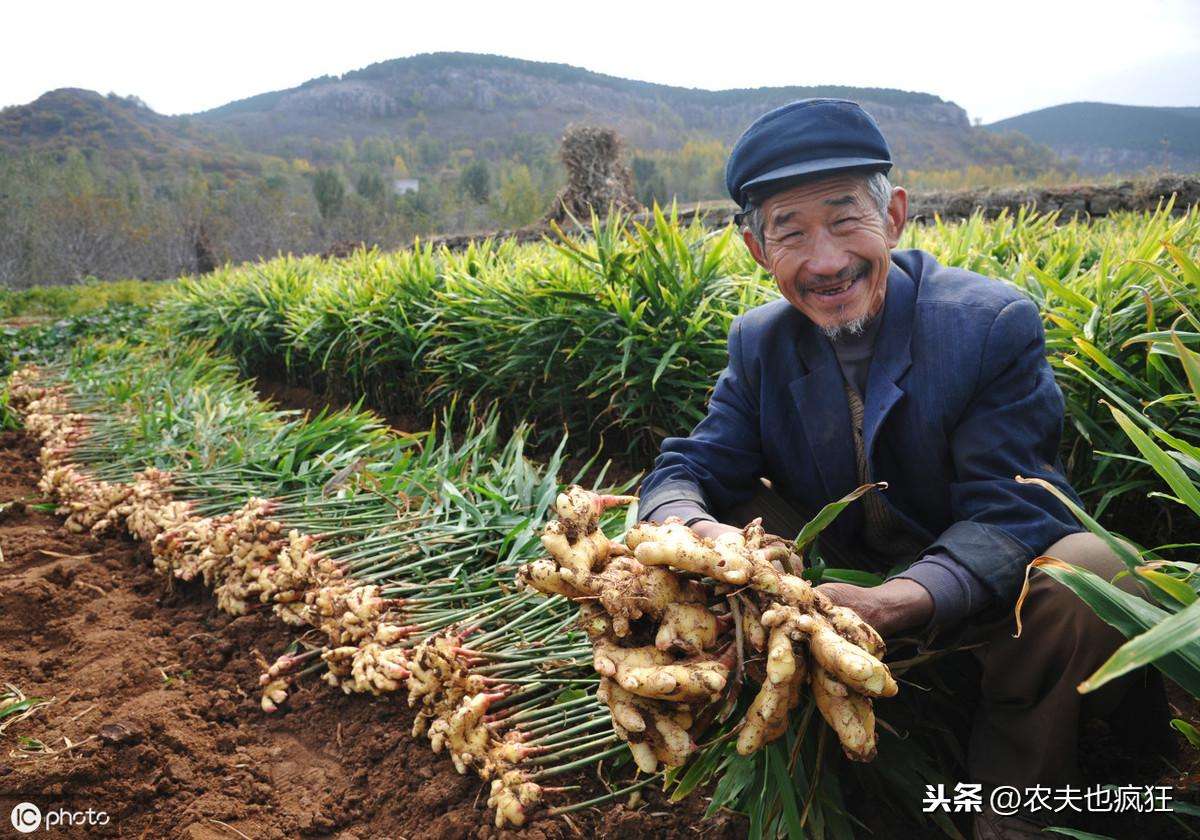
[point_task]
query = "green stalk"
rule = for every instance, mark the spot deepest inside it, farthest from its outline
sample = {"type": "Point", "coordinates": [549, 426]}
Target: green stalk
{"type": "Point", "coordinates": [590, 760]}
{"type": "Point", "coordinates": [600, 800]}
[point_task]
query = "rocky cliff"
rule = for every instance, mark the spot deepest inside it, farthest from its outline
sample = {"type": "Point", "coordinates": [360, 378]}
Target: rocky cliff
{"type": "Point", "coordinates": [461, 98]}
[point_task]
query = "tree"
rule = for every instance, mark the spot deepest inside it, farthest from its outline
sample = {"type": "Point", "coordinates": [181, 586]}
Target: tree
{"type": "Point", "coordinates": [648, 183]}
{"type": "Point", "coordinates": [701, 169]}
{"type": "Point", "coordinates": [419, 211]}
{"type": "Point", "coordinates": [370, 185]}
{"type": "Point", "coordinates": [377, 151]}
{"type": "Point", "coordinates": [476, 181]}
{"type": "Point", "coordinates": [86, 235]}
{"type": "Point", "coordinates": [431, 153]}
{"type": "Point", "coordinates": [519, 202]}
{"type": "Point", "coordinates": [329, 193]}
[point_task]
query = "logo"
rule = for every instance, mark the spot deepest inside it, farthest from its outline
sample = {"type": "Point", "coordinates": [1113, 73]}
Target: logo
{"type": "Point", "coordinates": [26, 817]}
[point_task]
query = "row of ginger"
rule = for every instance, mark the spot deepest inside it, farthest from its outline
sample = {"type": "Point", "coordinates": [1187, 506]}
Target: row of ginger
{"type": "Point", "coordinates": [676, 622]}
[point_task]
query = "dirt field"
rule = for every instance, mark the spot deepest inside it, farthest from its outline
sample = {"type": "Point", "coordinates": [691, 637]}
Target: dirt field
{"type": "Point", "coordinates": [153, 719]}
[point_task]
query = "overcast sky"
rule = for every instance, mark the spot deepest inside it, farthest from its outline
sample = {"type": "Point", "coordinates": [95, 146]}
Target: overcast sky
{"type": "Point", "coordinates": [994, 59]}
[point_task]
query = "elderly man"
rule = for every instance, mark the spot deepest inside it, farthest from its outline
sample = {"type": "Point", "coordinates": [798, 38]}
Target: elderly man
{"type": "Point", "coordinates": [882, 365]}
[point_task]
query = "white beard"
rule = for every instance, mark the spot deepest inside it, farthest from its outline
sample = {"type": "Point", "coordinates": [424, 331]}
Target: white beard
{"type": "Point", "coordinates": [853, 327]}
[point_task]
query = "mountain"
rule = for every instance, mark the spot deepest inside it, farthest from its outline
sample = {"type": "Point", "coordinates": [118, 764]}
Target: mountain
{"type": "Point", "coordinates": [1107, 138]}
{"type": "Point", "coordinates": [471, 101]}
{"type": "Point", "coordinates": [124, 129]}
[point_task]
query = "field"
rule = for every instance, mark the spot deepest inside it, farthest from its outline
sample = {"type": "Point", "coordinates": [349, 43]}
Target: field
{"type": "Point", "coordinates": [373, 541]}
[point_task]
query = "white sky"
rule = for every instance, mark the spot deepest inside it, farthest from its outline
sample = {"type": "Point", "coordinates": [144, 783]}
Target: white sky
{"type": "Point", "coordinates": [994, 59]}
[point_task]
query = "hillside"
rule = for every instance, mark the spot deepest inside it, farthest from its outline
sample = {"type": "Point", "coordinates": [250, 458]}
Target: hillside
{"type": "Point", "coordinates": [123, 129]}
{"type": "Point", "coordinates": [459, 98]}
{"type": "Point", "coordinates": [1106, 138]}
{"type": "Point", "coordinates": [443, 143]}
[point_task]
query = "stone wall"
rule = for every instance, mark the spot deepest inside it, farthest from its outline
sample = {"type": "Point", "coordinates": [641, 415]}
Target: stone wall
{"type": "Point", "coordinates": [1083, 199]}
{"type": "Point", "coordinates": [1091, 200]}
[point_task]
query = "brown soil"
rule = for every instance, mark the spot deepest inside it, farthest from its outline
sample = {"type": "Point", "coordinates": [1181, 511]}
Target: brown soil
{"type": "Point", "coordinates": [154, 718]}
{"type": "Point", "coordinates": [291, 396]}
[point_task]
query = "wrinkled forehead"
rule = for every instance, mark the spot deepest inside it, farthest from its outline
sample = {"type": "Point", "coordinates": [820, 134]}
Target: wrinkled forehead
{"type": "Point", "coordinates": [817, 198]}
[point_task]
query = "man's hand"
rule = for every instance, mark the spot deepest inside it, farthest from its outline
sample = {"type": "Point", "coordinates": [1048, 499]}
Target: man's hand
{"type": "Point", "coordinates": [707, 529]}
{"type": "Point", "coordinates": [892, 607]}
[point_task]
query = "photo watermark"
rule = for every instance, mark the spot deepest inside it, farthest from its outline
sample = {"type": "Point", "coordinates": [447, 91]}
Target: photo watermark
{"type": "Point", "coordinates": [1006, 800]}
{"type": "Point", "coordinates": [27, 818]}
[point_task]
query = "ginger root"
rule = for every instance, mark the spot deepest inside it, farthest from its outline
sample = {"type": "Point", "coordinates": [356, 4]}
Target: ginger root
{"type": "Point", "coordinates": [849, 715]}
{"type": "Point", "coordinates": [674, 544]}
{"type": "Point", "coordinates": [629, 590]}
{"type": "Point", "coordinates": [545, 576]}
{"type": "Point", "coordinates": [512, 796]}
{"type": "Point", "coordinates": [650, 672]}
{"type": "Point", "coordinates": [786, 673]}
{"type": "Point", "coordinates": [575, 539]}
{"type": "Point", "coordinates": [666, 585]}
{"type": "Point", "coordinates": [688, 628]}
{"type": "Point", "coordinates": [657, 732]}
{"type": "Point", "coordinates": [846, 661]}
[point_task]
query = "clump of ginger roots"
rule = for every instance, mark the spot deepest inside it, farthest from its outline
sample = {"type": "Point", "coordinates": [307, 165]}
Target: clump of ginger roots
{"type": "Point", "coordinates": [661, 611]}
{"type": "Point", "coordinates": [666, 611]}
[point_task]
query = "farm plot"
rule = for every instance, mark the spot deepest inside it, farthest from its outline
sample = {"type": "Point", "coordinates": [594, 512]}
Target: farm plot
{"type": "Point", "coordinates": [413, 565]}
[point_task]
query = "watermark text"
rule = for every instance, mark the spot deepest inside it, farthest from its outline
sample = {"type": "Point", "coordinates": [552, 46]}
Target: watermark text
{"type": "Point", "coordinates": [28, 818]}
{"type": "Point", "coordinates": [1005, 800]}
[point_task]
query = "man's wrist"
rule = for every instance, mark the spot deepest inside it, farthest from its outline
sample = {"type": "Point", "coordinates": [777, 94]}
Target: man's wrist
{"type": "Point", "coordinates": [904, 604]}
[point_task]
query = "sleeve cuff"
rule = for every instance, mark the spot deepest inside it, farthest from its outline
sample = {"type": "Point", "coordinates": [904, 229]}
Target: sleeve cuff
{"type": "Point", "coordinates": [685, 509]}
{"type": "Point", "coordinates": [956, 592]}
{"type": "Point", "coordinates": [673, 498]}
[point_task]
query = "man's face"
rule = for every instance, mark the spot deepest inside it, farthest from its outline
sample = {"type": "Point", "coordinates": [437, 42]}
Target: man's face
{"type": "Point", "coordinates": [829, 249]}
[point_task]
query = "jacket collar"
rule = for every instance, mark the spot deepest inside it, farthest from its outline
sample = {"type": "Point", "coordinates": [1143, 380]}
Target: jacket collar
{"type": "Point", "coordinates": [820, 398]}
{"type": "Point", "coordinates": [892, 356]}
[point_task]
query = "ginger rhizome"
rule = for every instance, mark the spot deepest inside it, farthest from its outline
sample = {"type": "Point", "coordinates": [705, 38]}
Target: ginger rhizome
{"type": "Point", "coordinates": [666, 611]}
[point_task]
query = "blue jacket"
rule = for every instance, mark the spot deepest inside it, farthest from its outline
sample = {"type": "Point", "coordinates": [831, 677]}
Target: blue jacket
{"type": "Point", "coordinates": [960, 399]}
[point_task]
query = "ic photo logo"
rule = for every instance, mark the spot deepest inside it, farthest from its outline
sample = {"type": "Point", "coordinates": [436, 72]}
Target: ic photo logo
{"type": "Point", "coordinates": [26, 817]}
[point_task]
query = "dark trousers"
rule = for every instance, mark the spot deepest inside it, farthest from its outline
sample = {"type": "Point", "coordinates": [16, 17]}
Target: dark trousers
{"type": "Point", "coordinates": [1027, 723]}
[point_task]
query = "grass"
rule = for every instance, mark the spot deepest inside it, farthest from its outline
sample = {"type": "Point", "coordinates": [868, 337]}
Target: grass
{"type": "Point", "coordinates": [59, 301]}
{"type": "Point", "coordinates": [15, 706]}
{"type": "Point", "coordinates": [1166, 631]}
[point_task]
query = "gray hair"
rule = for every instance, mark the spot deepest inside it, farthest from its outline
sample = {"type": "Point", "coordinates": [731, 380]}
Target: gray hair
{"type": "Point", "coordinates": [878, 187]}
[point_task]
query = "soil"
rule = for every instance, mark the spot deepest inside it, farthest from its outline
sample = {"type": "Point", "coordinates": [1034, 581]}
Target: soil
{"type": "Point", "coordinates": [285, 395]}
{"type": "Point", "coordinates": [153, 717]}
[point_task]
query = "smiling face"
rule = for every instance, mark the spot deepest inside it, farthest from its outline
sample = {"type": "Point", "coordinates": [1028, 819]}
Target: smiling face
{"type": "Point", "coordinates": [829, 249]}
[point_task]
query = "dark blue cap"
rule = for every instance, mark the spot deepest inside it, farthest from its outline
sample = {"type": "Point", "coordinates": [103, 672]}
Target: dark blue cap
{"type": "Point", "coordinates": [804, 138]}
